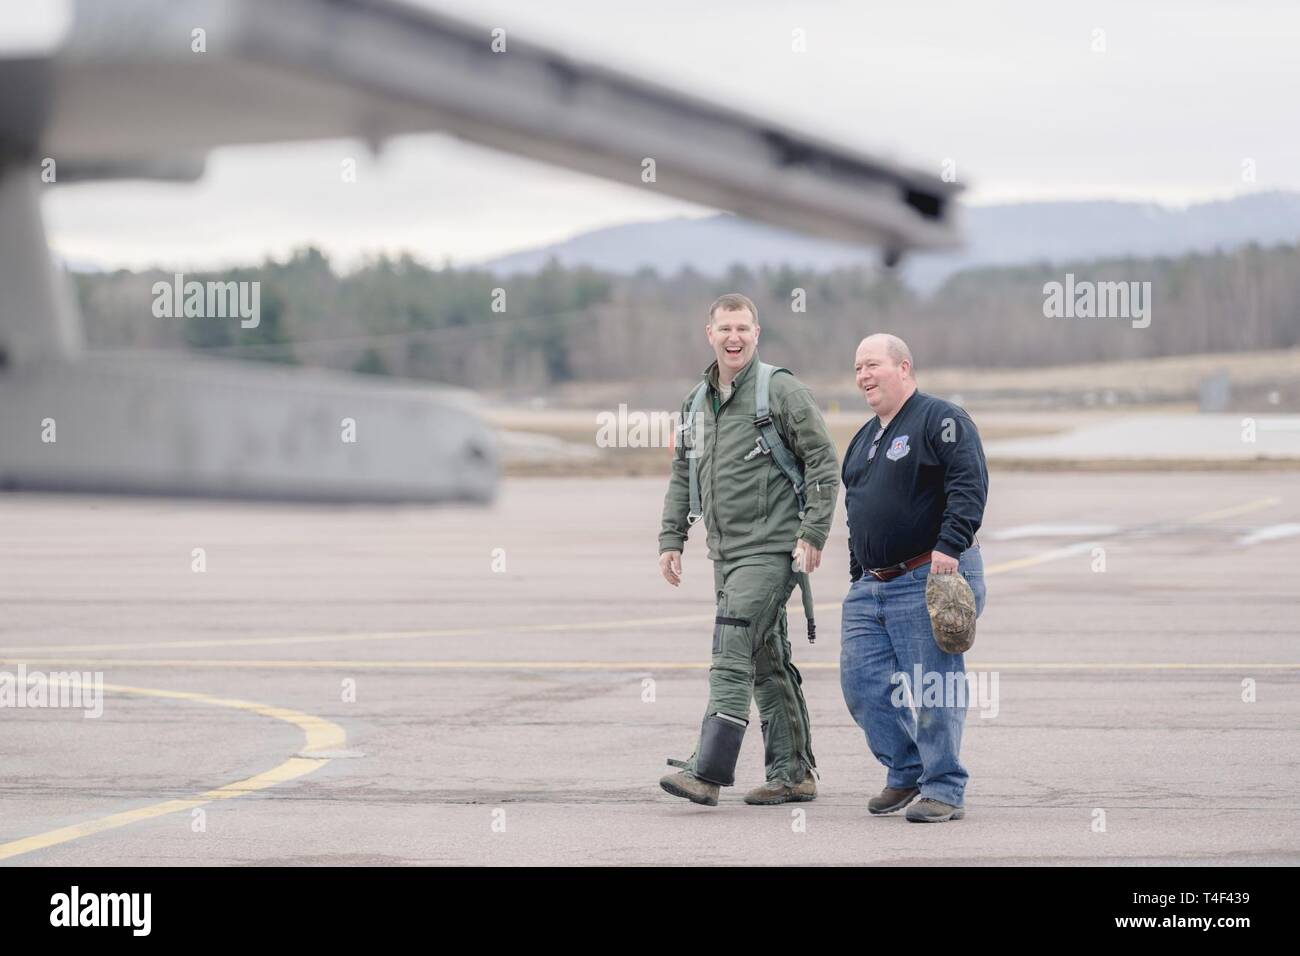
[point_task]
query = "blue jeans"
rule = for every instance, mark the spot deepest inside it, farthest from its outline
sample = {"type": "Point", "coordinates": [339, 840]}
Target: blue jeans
{"type": "Point", "coordinates": [885, 631]}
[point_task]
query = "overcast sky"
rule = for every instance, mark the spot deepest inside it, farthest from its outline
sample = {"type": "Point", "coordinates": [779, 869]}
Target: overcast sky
{"type": "Point", "coordinates": [1013, 92]}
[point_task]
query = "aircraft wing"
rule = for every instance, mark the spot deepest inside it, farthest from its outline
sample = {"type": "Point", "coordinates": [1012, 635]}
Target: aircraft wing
{"type": "Point", "coordinates": [147, 87]}
{"type": "Point", "coordinates": [126, 84]}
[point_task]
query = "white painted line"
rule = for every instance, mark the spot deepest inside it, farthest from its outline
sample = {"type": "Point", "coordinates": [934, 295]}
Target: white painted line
{"type": "Point", "coordinates": [1054, 531]}
{"type": "Point", "coordinates": [1270, 533]}
{"type": "Point", "coordinates": [1056, 554]}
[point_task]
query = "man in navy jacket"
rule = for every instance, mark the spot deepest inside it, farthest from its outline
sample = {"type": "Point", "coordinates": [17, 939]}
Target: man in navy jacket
{"type": "Point", "coordinates": [915, 483]}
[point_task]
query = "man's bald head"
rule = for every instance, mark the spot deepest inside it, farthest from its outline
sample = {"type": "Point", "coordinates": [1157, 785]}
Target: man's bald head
{"type": "Point", "coordinates": [895, 347]}
{"type": "Point", "coordinates": [882, 368]}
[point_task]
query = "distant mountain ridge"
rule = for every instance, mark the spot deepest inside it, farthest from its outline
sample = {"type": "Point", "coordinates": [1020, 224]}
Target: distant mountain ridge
{"type": "Point", "coordinates": [997, 235]}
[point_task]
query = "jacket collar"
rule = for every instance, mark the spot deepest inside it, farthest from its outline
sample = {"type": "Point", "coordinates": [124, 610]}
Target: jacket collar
{"type": "Point", "coordinates": [711, 373]}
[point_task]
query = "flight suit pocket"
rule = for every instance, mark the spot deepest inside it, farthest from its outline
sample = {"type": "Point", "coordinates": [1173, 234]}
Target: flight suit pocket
{"type": "Point", "coordinates": [719, 623]}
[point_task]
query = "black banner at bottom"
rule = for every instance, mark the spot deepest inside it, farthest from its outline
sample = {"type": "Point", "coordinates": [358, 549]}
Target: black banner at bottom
{"type": "Point", "coordinates": [904, 904]}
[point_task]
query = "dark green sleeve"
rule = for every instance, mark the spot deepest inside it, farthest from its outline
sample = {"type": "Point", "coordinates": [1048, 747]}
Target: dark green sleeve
{"type": "Point", "coordinates": [805, 431]}
{"type": "Point", "coordinates": [677, 500]}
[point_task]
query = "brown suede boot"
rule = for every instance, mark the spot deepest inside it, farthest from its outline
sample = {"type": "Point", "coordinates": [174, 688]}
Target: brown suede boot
{"type": "Point", "coordinates": [891, 799]}
{"type": "Point", "coordinates": [773, 792]}
{"type": "Point", "coordinates": [930, 810]}
{"type": "Point", "coordinates": [691, 787]}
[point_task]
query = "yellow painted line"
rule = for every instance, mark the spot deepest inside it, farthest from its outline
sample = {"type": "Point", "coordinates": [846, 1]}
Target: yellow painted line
{"type": "Point", "coordinates": [1257, 505]}
{"type": "Point", "coordinates": [1055, 554]}
{"type": "Point", "coordinates": [377, 636]}
{"type": "Point", "coordinates": [371, 664]}
{"type": "Point", "coordinates": [324, 735]}
{"type": "Point", "coordinates": [320, 734]}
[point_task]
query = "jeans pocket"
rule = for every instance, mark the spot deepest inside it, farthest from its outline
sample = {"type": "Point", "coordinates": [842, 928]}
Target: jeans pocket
{"type": "Point", "coordinates": [976, 581]}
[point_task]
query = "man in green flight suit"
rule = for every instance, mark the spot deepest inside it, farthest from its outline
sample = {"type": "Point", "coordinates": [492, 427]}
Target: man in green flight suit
{"type": "Point", "coordinates": [739, 471]}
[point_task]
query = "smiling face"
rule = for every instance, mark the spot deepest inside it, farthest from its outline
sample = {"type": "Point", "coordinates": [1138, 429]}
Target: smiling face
{"type": "Point", "coordinates": [733, 333]}
{"type": "Point", "coordinates": [885, 380]}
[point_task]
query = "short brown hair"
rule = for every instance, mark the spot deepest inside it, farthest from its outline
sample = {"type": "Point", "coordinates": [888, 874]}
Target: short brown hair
{"type": "Point", "coordinates": [733, 302]}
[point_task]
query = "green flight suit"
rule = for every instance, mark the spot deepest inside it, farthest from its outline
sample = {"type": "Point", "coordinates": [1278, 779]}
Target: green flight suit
{"type": "Point", "coordinates": [752, 521]}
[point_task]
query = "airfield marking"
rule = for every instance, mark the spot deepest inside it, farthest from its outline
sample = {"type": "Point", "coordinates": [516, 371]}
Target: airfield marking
{"type": "Point", "coordinates": [1031, 561]}
{"type": "Point", "coordinates": [1273, 532]}
{"type": "Point", "coordinates": [1069, 550]}
{"type": "Point", "coordinates": [1257, 505]}
{"type": "Point", "coordinates": [326, 735]}
{"type": "Point", "coordinates": [321, 735]}
{"type": "Point", "coordinates": [1047, 530]}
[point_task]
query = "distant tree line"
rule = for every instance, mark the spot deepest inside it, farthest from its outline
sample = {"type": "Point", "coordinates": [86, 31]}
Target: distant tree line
{"type": "Point", "coordinates": [525, 333]}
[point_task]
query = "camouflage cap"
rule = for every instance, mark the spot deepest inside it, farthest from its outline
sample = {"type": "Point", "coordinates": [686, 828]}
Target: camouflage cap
{"type": "Point", "coordinates": [951, 603]}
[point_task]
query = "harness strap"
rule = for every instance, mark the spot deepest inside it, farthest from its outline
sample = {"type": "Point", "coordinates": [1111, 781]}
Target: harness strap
{"type": "Point", "coordinates": [687, 429]}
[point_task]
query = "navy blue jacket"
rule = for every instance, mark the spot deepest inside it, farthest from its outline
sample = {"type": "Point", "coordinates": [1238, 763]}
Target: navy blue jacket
{"type": "Point", "coordinates": [923, 490]}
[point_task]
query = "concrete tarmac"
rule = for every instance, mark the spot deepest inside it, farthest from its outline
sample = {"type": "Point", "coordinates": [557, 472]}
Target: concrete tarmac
{"type": "Point", "coordinates": [501, 686]}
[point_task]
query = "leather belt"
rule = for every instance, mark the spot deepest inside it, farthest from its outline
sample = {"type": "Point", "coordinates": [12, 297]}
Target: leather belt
{"type": "Point", "coordinates": [894, 570]}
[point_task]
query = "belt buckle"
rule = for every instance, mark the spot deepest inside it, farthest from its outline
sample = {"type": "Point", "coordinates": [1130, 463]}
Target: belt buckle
{"type": "Point", "coordinates": [897, 569]}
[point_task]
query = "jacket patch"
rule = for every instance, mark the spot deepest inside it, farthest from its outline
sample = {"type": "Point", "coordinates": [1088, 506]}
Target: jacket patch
{"type": "Point", "coordinates": [898, 449]}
